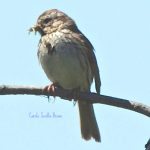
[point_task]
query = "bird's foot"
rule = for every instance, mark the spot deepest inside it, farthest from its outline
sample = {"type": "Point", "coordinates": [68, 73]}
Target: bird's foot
{"type": "Point", "coordinates": [50, 89]}
{"type": "Point", "coordinates": [75, 93]}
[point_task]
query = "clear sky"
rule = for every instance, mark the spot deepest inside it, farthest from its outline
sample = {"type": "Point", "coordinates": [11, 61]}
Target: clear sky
{"type": "Point", "coordinates": [120, 33]}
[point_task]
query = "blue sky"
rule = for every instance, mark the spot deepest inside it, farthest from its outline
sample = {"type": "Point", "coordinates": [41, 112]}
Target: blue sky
{"type": "Point", "coordinates": [120, 33]}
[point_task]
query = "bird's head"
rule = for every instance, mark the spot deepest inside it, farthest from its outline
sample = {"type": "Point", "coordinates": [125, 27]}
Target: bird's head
{"type": "Point", "coordinates": [51, 21]}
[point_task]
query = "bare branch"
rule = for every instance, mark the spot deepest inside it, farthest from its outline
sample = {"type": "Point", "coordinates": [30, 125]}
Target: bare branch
{"type": "Point", "coordinates": [69, 94]}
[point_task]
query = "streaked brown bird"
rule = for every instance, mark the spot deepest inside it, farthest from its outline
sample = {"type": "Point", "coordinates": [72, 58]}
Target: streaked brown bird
{"type": "Point", "coordinates": [68, 59]}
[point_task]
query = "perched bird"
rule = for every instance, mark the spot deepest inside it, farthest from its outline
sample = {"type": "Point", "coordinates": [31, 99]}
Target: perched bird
{"type": "Point", "coordinates": [68, 59]}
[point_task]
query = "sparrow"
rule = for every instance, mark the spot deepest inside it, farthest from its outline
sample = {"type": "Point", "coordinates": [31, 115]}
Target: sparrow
{"type": "Point", "coordinates": [67, 58]}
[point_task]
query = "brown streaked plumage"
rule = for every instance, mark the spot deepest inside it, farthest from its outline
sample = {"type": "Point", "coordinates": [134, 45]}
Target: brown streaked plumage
{"type": "Point", "coordinates": [68, 59]}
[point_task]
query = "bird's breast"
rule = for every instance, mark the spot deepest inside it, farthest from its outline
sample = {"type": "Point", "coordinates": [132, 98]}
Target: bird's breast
{"type": "Point", "coordinates": [66, 65]}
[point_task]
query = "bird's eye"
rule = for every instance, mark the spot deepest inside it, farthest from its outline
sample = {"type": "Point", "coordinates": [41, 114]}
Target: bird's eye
{"type": "Point", "coordinates": [47, 20]}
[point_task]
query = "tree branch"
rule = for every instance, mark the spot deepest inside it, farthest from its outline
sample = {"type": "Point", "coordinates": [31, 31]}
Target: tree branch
{"type": "Point", "coordinates": [69, 94]}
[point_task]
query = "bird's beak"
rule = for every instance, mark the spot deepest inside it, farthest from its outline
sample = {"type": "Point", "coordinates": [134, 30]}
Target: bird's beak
{"type": "Point", "coordinates": [35, 29]}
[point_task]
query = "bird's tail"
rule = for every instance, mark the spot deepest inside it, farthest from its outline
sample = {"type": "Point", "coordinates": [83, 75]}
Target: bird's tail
{"type": "Point", "coordinates": [89, 127]}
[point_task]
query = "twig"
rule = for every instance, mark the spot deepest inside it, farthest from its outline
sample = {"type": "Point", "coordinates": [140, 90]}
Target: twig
{"type": "Point", "coordinates": [68, 95]}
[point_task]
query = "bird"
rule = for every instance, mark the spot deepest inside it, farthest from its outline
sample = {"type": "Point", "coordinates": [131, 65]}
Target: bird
{"type": "Point", "coordinates": [68, 60]}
